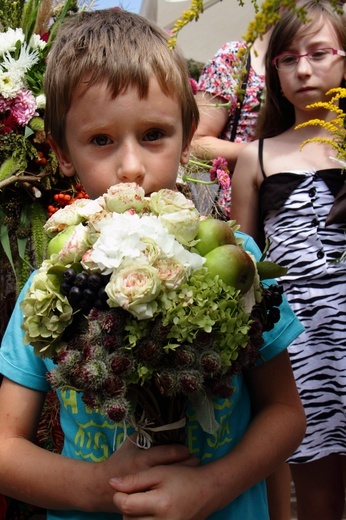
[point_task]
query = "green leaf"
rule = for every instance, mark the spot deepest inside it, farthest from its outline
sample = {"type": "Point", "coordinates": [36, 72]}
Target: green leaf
{"type": "Point", "coordinates": [28, 132]}
{"type": "Point", "coordinates": [204, 411]}
{"type": "Point", "coordinates": [5, 242]}
{"type": "Point", "coordinates": [267, 269]}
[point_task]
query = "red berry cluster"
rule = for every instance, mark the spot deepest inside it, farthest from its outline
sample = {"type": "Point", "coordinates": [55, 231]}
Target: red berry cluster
{"type": "Point", "coordinates": [41, 159]}
{"type": "Point", "coordinates": [67, 197]}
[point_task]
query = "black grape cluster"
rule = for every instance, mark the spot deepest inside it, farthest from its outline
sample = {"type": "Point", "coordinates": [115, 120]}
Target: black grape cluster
{"type": "Point", "coordinates": [272, 297]}
{"type": "Point", "coordinates": [85, 291]}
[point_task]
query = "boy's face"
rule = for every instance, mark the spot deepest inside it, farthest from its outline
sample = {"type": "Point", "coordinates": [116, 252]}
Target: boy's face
{"type": "Point", "coordinates": [126, 139]}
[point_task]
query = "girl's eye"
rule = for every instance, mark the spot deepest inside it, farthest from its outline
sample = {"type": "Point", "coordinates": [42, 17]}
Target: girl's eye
{"type": "Point", "coordinates": [101, 140]}
{"type": "Point", "coordinates": [153, 135]}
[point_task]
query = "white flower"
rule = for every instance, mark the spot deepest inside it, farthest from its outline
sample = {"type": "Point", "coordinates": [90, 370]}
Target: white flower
{"type": "Point", "coordinates": [121, 238]}
{"type": "Point", "coordinates": [125, 196]}
{"type": "Point", "coordinates": [9, 39]}
{"type": "Point", "coordinates": [168, 201]}
{"type": "Point", "coordinates": [10, 83]}
{"type": "Point", "coordinates": [26, 59]}
{"type": "Point", "coordinates": [170, 272]}
{"type": "Point", "coordinates": [135, 288]}
{"type": "Point", "coordinates": [182, 224]}
{"type": "Point", "coordinates": [36, 42]}
{"type": "Point", "coordinates": [41, 101]}
{"type": "Point", "coordinates": [75, 247]}
{"type": "Point", "coordinates": [71, 215]}
{"type": "Point", "coordinates": [126, 236]}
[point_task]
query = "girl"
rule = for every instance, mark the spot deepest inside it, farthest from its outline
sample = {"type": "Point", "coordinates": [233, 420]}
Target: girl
{"type": "Point", "coordinates": [287, 192]}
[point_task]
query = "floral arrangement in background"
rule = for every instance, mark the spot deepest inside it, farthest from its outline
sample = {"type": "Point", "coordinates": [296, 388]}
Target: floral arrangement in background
{"type": "Point", "coordinates": [142, 302]}
{"type": "Point", "coordinates": [31, 185]}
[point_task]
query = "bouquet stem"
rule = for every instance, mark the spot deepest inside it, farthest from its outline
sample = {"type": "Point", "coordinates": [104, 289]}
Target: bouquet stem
{"type": "Point", "coordinates": [159, 419]}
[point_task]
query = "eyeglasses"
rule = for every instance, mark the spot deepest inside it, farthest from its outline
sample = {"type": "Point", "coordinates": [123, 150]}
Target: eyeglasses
{"type": "Point", "coordinates": [317, 57]}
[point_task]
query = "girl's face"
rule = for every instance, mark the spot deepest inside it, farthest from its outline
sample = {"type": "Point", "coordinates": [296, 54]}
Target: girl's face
{"type": "Point", "coordinates": [307, 82]}
{"type": "Point", "coordinates": [126, 139]}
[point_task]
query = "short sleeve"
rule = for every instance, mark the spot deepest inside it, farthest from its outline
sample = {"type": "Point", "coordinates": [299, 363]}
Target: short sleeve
{"type": "Point", "coordinates": [288, 328]}
{"type": "Point", "coordinates": [18, 361]}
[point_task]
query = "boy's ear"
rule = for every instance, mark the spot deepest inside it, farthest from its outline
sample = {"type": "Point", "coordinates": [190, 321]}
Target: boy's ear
{"type": "Point", "coordinates": [185, 153]}
{"type": "Point", "coordinates": [64, 162]}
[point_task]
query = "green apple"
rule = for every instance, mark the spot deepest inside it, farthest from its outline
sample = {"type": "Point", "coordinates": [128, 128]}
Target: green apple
{"type": "Point", "coordinates": [56, 244]}
{"type": "Point", "coordinates": [213, 233]}
{"type": "Point", "coordinates": [233, 265]}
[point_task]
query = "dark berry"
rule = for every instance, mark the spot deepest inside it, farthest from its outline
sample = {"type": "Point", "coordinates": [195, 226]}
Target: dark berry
{"type": "Point", "coordinates": [74, 296]}
{"type": "Point", "coordinates": [95, 281]}
{"type": "Point", "coordinates": [274, 314]}
{"type": "Point", "coordinates": [88, 295]}
{"type": "Point", "coordinates": [81, 280]}
{"type": "Point", "coordinates": [69, 275]}
{"type": "Point", "coordinates": [99, 304]}
{"type": "Point", "coordinates": [65, 288]}
{"type": "Point", "coordinates": [276, 298]}
{"type": "Point", "coordinates": [102, 295]}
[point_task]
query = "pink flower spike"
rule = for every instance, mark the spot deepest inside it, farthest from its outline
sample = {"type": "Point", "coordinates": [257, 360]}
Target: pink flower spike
{"type": "Point", "coordinates": [194, 85]}
{"type": "Point", "coordinates": [219, 164]}
{"type": "Point", "coordinates": [223, 179]}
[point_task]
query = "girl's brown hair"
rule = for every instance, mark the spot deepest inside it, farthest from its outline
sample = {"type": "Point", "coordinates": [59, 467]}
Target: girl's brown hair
{"type": "Point", "coordinates": [277, 114]}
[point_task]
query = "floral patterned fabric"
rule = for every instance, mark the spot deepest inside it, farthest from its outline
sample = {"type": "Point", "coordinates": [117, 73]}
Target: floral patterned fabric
{"type": "Point", "coordinates": [220, 77]}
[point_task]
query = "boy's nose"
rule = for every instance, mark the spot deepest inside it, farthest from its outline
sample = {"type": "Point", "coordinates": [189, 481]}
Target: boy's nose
{"type": "Point", "coordinates": [131, 168]}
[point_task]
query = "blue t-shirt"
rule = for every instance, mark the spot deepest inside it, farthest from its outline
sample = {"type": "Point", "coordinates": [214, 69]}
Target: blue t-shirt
{"type": "Point", "coordinates": [91, 437]}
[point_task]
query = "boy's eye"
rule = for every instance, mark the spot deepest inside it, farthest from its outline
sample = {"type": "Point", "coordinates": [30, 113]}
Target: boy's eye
{"type": "Point", "coordinates": [101, 140]}
{"type": "Point", "coordinates": [153, 135]}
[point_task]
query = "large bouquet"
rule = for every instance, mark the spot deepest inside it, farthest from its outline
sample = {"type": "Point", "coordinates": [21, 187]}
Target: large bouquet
{"type": "Point", "coordinates": [143, 304]}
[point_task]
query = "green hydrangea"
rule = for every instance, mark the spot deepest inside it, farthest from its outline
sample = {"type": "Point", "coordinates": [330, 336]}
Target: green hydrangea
{"type": "Point", "coordinates": [46, 312]}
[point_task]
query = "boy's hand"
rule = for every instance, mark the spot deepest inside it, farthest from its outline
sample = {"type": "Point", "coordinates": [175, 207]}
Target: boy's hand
{"type": "Point", "coordinates": [129, 459]}
{"type": "Point", "coordinates": [175, 492]}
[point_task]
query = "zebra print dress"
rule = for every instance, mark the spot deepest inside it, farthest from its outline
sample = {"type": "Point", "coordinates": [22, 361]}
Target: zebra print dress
{"type": "Point", "coordinates": [294, 208]}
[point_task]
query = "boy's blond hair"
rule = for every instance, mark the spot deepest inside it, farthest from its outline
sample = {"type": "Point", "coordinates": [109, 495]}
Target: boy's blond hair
{"type": "Point", "coordinates": [122, 48]}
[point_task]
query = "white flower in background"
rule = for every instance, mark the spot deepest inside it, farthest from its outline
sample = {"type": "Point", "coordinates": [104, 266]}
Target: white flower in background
{"type": "Point", "coordinates": [36, 42]}
{"type": "Point", "coordinates": [41, 101]}
{"type": "Point", "coordinates": [26, 59]}
{"type": "Point", "coordinates": [10, 83]}
{"type": "Point", "coordinates": [9, 39]}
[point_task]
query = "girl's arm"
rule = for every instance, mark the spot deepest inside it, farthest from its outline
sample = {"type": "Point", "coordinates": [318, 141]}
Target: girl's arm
{"type": "Point", "coordinates": [206, 143]}
{"type": "Point", "coordinates": [182, 493]}
{"type": "Point", "coordinates": [245, 191]}
{"type": "Point", "coordinates": [49, 480]}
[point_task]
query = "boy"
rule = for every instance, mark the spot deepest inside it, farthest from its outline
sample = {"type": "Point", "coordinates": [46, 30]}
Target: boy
{"type": "Point", "coordinates": [120, 109]}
